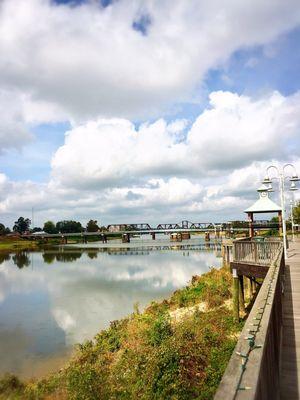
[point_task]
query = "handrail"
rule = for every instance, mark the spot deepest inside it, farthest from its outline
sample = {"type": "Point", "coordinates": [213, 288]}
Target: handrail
{"type": "Point", "coordinates": [253, 369]}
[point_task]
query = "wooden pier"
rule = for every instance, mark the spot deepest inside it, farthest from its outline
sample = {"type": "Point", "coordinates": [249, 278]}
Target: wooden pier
{"type": "Point", "coordinates": [265, 363]}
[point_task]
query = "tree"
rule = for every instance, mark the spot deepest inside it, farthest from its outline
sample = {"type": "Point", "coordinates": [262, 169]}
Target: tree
{"type": "Point", "coordinates": [2, 229]}
{"type": "Point", "coordinates": [69, 227]}
{"type": "Point", "coordinates": [296, 213]}
{"type": "Point", "coordinates": [49, 227]}
{"type": "Point", "coordinates": [22, 225]}
{"type": "Point", "coordinates": [92, 226]}
{"type": "Point", "coordinates": [36, 229]}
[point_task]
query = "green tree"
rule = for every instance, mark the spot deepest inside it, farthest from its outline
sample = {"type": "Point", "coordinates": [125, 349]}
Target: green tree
{"type": "Point", "coordinates": [69, 227]}
{"type": "Point", "coordinates": [49, 227]}
{"type": "Point", "coordinates": [296, 213]}
{"type": "Point", "coordinates": [22, 225]}
{"type": "Point", "coordinates": [36, 229]}
{"type": "Point", "coordinates": [2, 229]}
{"type": "Point", "coordinates": [92, 226]}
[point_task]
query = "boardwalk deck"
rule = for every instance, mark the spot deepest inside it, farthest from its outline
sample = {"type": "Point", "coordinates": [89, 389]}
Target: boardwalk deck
{"type": "Point", "coordinates": [290, 359]}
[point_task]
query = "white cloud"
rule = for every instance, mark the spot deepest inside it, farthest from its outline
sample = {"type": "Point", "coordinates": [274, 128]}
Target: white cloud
{"type": "Point", "coordinates": [238, 130]}
{"type": "Point", "coordinates": [111, 152]}
{"type": "Point", "coordinates": [87, 61]}
{"type": "Point", "coordinates": [233, 132]}
{"type": "Point", "coordinates": [112, 171]}
{"type": "Point", "coordinates": [13, 131]}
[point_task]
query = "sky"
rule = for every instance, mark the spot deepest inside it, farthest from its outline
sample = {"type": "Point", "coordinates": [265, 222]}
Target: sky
{"type": "Point", "coordinates": [145, 111]}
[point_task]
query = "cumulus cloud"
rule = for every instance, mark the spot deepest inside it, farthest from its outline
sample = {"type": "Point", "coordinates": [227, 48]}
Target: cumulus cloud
{"type": "Point", "coordinates": [13, 131]}
{"type": "Point", "coordinates": [233, 132]}
{"type": "Point", "coordinates": [111, 169]}
{"type": "Point", "coordinates": [237, 130]}
{"type": "Point", "coordinates": [129, 59]}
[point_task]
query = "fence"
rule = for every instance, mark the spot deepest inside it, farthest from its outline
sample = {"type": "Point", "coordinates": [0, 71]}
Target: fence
{"type": "Point", "coordinates": [253, 252]}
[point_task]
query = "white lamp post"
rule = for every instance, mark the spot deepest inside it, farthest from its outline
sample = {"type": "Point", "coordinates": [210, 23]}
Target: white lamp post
{"type": "Point", "coordinates": [292, 218]}
{"type": "Point", "coordinates": [282, 177]}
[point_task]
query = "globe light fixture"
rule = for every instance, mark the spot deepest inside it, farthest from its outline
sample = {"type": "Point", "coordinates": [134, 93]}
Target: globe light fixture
{"type": "Point", "coordinates": [293, 187]}
{"type": "Point", "coordinates": [267, 181]}
{"type": "Point", "coordinates": [295, 178]}
{"type": "Point", "coordinates": [263, 188]}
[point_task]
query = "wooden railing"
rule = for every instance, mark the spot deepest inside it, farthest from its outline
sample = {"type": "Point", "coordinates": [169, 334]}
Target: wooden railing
{"type": "Point", "coordinates": [254, 252]}
{"type": "Point", "coordinates": [253, 369]}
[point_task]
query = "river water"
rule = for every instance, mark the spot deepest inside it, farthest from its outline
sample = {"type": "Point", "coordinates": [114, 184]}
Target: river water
{"type": "Point", "coordinates": [51, 300]}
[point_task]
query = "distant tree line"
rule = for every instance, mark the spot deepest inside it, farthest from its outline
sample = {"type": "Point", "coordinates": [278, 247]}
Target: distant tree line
{"type": "Point", "coordinates": [22, 225]}
{"type": "Point", "coordinates": [70, 226]}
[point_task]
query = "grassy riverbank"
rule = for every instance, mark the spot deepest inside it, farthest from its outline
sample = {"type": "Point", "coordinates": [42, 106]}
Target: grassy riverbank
{"type": "Point", "coordinates": [8, 244]}
{"type": "Point", "coordinates": [176, 349]}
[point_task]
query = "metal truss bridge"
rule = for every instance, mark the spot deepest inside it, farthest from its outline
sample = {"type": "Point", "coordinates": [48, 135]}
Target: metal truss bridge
{"type": "Point", "coordinates": [168, 228]}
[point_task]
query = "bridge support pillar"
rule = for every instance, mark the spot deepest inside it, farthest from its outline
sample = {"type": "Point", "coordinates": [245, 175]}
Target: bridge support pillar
{"type": "Point", "coordinates": [64, 240]}
{"type": "Point", "coordinates": [153, 236]}
{"type": "Point", "coordinates": [241, 294]}
{"type": "Point", "coordinates": [226, 251]}
{"type": "Point", "coordinates": [126, 238]}
{"type": "Point", "coordinates": [248, 288]}
{"type": "Point", "coordinates": [236, 314]}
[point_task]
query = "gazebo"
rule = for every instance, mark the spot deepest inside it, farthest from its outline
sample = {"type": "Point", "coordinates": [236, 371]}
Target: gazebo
{"type": "Point", "coordinates": [263, 205]}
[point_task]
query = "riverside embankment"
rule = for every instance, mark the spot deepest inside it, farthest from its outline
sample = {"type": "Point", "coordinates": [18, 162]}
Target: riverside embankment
{"type": "Point", "coordinates": [176, 349]}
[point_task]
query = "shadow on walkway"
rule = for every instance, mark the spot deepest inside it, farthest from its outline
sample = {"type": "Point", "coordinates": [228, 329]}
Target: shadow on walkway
{"type": "Point", "coordinates": [291, 310]}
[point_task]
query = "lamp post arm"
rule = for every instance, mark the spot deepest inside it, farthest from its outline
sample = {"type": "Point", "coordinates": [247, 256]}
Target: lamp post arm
{"type": "Point", "coordinates": [290, 165]}
{"type": "Point", "coordinates": [273, 166]}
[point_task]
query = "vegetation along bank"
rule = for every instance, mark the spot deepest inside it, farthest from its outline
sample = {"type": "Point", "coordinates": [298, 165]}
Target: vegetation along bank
{"type": "Point", "coordinates": [175, 349]}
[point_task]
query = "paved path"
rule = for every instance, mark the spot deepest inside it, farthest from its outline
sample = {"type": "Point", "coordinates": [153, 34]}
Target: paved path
{"type": "Point", "coordinates": [290, 360]}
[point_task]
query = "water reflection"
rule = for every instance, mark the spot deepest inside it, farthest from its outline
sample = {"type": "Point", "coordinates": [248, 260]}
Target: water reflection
{"type": "Point", "coordinates": [4, 257]}
{"type": "Point", "coordinates": [21, 259]}
{"type": "Point", "coordinates": [67, 296]}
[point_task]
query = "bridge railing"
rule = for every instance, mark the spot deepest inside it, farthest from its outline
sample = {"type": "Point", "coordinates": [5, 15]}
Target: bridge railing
{"type": "Point", "coordinates": [253, 369]}
{"type": "Point", "coordinates": [253, 252]}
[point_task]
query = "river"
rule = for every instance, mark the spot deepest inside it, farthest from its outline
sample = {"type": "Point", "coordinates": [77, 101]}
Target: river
{"type": "Point", "coordinates": [53, 299]}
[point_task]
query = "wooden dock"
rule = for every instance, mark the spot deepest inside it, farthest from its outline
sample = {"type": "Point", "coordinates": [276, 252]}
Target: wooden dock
{"type": "Point", "coordinates": [290, 354]}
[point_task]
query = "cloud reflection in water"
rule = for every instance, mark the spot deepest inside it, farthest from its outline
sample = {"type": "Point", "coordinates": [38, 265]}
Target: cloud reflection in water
{"type": "Point", "coordinates": [67, 297]}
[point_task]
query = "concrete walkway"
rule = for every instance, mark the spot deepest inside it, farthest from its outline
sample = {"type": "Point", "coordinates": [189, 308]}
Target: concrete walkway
{"type": "Point", "coordinates": [290, 359]}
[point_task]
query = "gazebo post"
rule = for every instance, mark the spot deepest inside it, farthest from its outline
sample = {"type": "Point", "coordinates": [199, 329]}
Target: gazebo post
{"type": "Point", "coordinates": [280, 222]}
{"type": "Point", "coordinates": [251, 229]}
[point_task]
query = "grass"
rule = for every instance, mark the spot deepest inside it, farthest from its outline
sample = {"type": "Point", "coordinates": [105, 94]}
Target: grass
{"type": "Point", "coordinates": [17, 244]}
{"type": "Point", "coordinates": [150, 355]}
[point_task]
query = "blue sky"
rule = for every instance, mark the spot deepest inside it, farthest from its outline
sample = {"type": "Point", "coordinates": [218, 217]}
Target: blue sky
{"type": "Point", "coordinates": [123, 76]}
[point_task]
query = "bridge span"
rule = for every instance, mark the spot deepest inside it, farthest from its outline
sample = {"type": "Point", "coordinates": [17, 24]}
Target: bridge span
{"type": "Point", "coordinates": [184, 227]}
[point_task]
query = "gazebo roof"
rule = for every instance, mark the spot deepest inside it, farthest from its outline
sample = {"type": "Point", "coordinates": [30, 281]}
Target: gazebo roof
{"type": "Point", "coordinates": [263, 205]}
